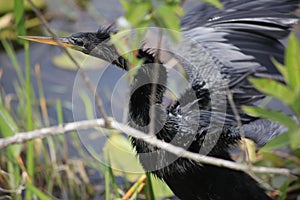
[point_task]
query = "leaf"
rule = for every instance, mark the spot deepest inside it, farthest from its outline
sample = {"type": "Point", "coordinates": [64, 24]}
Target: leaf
{"type": "Point", "coordinates": [294, 136]}
{"type": "Point", "coordinates": [296, 105]}
{"type": "Point", "coordinates": [136, 12]}
{"type": "Point", "coordinates": [271, 115]}
{"type": "Point", "coordinates": [280, 67]}
{"type": "Point", "coordinates": [271, 157]}
{"type": "Point", "coordinates": [215, 3]}
{"type": "Point", "coordinates": [178, 10]}
{"type": "Point", "coordinates": [161, 189]}
{"type": "Point", "coordinates": [292, 62]}
{"type": "Point", "coordinates": [279, 141]}
{"type": "Point", "coordinates": [279, 181]}
{"type": "Point", "coordinates": [122, 157]}
{"type": "Point", "coordinates": [125, 5]}
{"type": "Point", "coordinates": [167, 18]}
{"type": "Point", "coordinates": [274, 88]}
{"type": "Point", "coordinates": [283, 190]}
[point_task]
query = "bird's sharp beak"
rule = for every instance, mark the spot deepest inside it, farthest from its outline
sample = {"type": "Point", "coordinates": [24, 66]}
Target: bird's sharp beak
{"type": "Point", "coordinates": [48, 40]}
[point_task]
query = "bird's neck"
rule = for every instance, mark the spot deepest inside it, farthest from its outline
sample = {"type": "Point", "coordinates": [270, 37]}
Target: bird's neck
{"type": "Point", "coordinates": [147, 89]}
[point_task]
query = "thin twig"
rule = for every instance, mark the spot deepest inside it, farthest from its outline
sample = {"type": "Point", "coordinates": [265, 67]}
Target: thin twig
{"type": "Point", "coordinates": [239, 123]}
{"type": "Point", "coordinates": [180, 152]}
{"type": "Point", "coordinates": [85, 78]}
{"type": "Point", "coordinates": [139, 185]}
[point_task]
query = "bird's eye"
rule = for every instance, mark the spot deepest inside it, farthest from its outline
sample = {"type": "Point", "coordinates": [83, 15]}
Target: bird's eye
{"type": "Point", "coordinates": [78, 41]}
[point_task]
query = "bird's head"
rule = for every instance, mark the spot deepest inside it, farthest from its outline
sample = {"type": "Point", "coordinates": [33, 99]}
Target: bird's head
{"type": "Point", "coordinates": [96, 44]}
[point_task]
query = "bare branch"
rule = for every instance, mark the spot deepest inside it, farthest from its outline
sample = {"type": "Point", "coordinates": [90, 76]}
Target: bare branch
{"type": "Point", "coordinates": [64, 128]}
{"type": "Point", "coordinates": [239, 123]}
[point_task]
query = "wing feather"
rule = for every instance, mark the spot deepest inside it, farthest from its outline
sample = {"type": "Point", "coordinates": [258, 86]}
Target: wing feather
{"type": "Point", "coordinates": [241, 39]}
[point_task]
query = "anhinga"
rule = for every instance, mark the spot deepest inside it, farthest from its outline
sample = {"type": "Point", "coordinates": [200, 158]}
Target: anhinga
{"type": "Point", "coordinates": [238, 41]}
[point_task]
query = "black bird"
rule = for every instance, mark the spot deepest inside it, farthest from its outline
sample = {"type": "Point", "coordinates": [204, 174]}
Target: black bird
{"type": "Point", "coordinates": [222, 49]}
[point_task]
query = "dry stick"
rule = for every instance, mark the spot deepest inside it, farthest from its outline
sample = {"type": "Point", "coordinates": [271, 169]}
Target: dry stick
{"type": "Point", "coordinates": [180, 152]}
{"type": "Point", "coordinates": [239, 123]}
{"type": "Point", "coordinates": [85, 78]}
{"type": "Point", "coordinates": [139, 185]}
{"type": "Point", "coordinates": [241, 130]}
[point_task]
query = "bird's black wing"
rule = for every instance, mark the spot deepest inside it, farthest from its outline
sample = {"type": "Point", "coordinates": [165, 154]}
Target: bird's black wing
{"type": "Point", "coordinates": [239, 41]}
{"type": "Point", "coordinates": [242, 38]}
{"type": "Point", "coordinates": [271, 17]}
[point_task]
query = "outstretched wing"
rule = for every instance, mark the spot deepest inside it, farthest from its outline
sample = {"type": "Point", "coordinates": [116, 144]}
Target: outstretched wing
{"type": "Point", "coordinates": [268, 17]}
{"type": "Point", "coordinates": [241, 39]}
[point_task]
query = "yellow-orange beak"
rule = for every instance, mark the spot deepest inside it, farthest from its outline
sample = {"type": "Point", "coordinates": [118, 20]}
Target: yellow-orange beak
{"type": "Point", "coordinates": [48, 40]}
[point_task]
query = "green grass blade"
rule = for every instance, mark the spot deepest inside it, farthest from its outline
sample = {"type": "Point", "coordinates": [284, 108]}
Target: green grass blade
{"type": "Point", "coordinates": [15, 178]}
{"type": "Point", "coordinates": [113, 180]}
{"type": "Point", "coordinates": [41, 195]}
{"type": "Point", "coordinates": [8, 127]}
{"type": "Point", "coordinates": [134, 195]}
{"type": "Point", "coordinates": [30, 145]}
{"type": "Point", "coordinates": [89, 111]}
{"type": "Point", "coordinates": [107, 179]}
{"type": "Point", "coordinates": [137, 12]}
{"type": "Point", "coordinates": [167, 18]}
{"type": "Point", "coordinates": [59, 112]}
{"type": "Point", "coordinates": [60, 120]}
{"type": "Point", "coordinates": [12, 56]}
{"type": "Point", "coordinates": [149, 188]}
